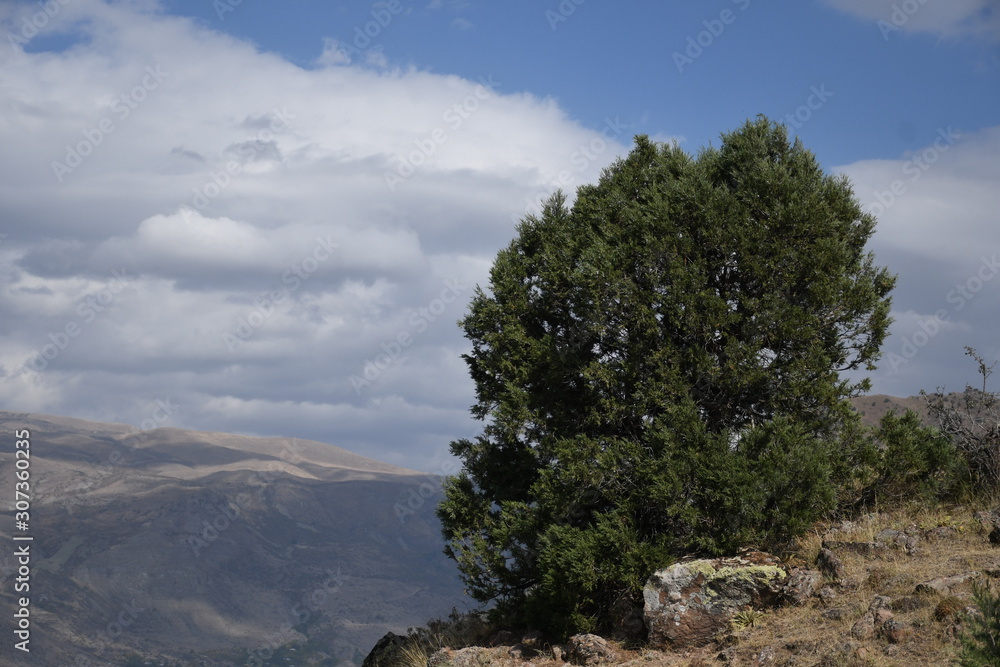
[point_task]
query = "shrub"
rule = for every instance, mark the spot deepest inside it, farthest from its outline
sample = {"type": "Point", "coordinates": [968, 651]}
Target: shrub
{"type": "Point", "coordinates": [981, 638]}
{"type": "Point", "coordinates": [972, 421]}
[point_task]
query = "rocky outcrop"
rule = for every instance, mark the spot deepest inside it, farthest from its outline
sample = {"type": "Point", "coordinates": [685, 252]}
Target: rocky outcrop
{"type": "Point", "coordinates": [687, 603]}
{"type": "Point", "coordinates": [387, 652]}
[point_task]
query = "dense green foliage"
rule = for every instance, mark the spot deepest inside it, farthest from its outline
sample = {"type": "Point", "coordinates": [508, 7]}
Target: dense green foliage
{"type": "Point", "coordinates": [981, 639]}
{"type": "Point", "coordinates": [911, 462]}
{"type": "Point", "coordinates": [658, 369]}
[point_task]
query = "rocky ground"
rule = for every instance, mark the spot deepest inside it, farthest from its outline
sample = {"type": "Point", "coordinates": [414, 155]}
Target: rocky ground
{"type": "Point", "coordinates": [883, 590]}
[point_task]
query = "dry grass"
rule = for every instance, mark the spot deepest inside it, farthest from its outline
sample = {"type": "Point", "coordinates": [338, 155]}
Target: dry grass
{"type": "Point", "coordinates": [823, 637]}
{"type": "Point", "coordinates": [819, 633]}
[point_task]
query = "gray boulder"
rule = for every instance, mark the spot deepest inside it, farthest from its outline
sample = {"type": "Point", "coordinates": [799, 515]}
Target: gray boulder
{"type": "Point", "coordinates": [687, 603]}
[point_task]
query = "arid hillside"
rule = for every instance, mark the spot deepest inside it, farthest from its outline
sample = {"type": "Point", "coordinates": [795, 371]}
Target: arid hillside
{"type": "Point", "coordinates": [210, 548]}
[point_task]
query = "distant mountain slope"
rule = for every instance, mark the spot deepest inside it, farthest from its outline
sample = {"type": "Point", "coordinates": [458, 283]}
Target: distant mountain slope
{"type": "Point", "coordinates": [874, 406]}
{"type": "Point", "coordinates": [216, 547]}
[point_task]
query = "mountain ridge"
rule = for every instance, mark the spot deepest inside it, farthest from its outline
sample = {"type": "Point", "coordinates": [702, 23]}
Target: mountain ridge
{"type": "Point", "coordinates": [213, 548]}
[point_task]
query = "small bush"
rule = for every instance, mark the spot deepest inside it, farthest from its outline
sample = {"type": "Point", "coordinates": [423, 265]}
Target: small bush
{"type": "Point", "coordinates": [981, 639]}
{"type": "Point", "coordinates": [972, 421]}
{"type": "Point", "coordinates": [915, 461]}
{"type": "Point", "coordinates": [948, 607]}
{"type": "Point", "coordinates": [748, 618]}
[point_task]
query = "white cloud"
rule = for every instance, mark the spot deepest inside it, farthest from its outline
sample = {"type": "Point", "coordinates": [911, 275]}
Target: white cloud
{"type": "Point", "coordinates": [936, 216]}
{"type": "Point", "coordinates": [954, 18]}
{"type": "Point", "coordinates": [211, 173]}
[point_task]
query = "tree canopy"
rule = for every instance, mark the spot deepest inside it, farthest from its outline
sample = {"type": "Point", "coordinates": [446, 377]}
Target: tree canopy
{"type": "Point", "coordinates": [659, 369]}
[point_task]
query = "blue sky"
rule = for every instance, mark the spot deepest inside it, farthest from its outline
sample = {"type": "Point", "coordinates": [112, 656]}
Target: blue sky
{"type": "Point", "coordinates": [891, 89]}
{"type": "Point", "coordinates": [249, 210]}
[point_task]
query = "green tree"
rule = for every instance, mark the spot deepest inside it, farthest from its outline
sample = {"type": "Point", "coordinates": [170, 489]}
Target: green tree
{"type": "Point", "coordinates": [658, 372]}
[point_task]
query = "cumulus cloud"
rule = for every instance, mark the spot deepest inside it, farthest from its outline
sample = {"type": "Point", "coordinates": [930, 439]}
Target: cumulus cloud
{"type": "Point", "coordinates": [286, 250]}
{"type": "Point", "coordinates": [935, 208]}
{"type": "Point", "coordinates": [189, 217]}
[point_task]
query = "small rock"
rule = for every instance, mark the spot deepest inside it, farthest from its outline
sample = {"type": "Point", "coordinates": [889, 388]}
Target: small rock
{"type": "Point", "coordinates": [899, 539]}
{"type": "Point", "coordinates": [846, 648]}
{"type": "Point", "coordinates": [943, 585]}
{"type": "Point", "coordinates": [880, 602]}
{"type": "Point", "coordinates": [864, 628]}
{"type": "Point", "coordinates": [588, 649]}
{"type": "Point", "coordinates": [940, 533]}
{"type": "Point", "coordinates": [727, 655]}
{"type": "Point", "coordinates": [473, 656]}
{"type": "Point", "coordinates": [829, 564]}
{"type": "Point", "coordinates": [861, 548]}
{"type": "Point", "coordinates": [988, 520]}
{"type": "Point", "coordinates": [908, 603]}
{"type": "Point", "coordinates": [440, 657]}
{"type": "Point", "coordinates": [896, 632]}
{"type": "Point", "coordinates": [767, 656]}
{"type": "Point", "coordinates": [827, 595]}
{"type": "Point", "coordinates": [835, 614]}
{"type": "Point", "coordinates": [801, 586]}
{"type": "Point", "coordinates": [883, 616]}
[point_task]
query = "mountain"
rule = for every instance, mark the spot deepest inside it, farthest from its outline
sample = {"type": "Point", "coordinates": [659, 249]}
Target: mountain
{"type": "Point", "coordinates": [178, 547]}
{"type": "Point", "coordinates": [171, 547]}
